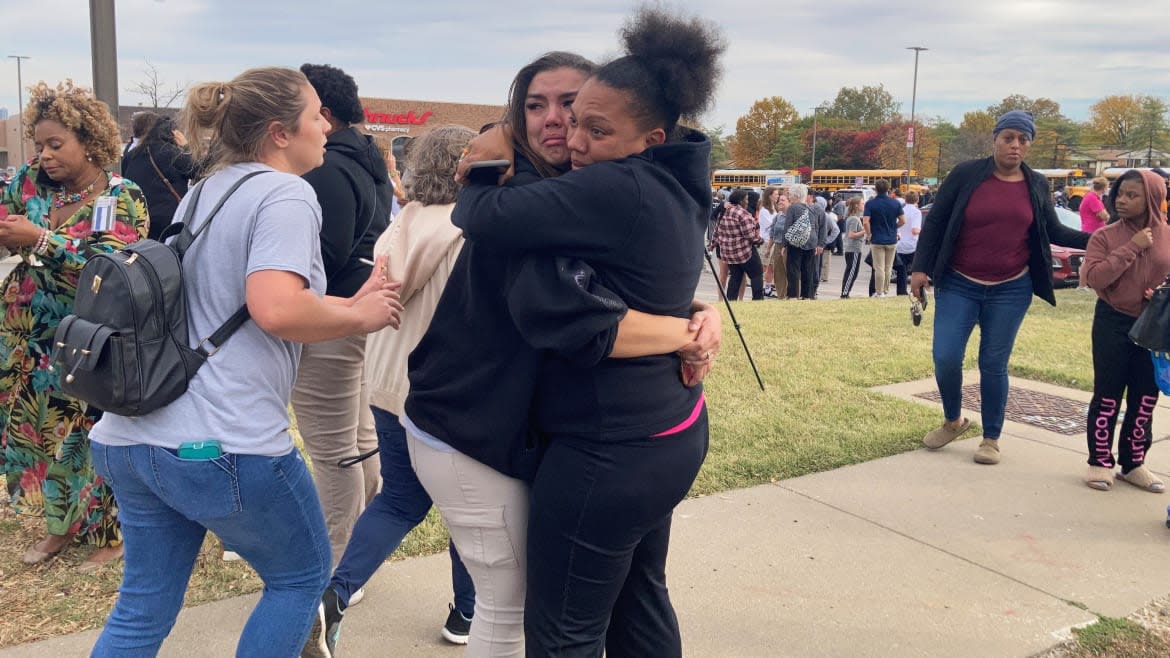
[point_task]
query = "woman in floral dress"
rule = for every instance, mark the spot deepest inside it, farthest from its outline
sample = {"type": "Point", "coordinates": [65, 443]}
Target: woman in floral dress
{"type": "Point", "coordinates": [61, 208]}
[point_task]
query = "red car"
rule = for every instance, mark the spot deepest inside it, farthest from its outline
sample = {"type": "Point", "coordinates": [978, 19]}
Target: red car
{"type": "Point", "coordinates": [1066, 262]}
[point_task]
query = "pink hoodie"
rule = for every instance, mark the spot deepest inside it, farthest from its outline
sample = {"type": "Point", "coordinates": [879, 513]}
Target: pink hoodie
{"type": "Point", "coordinates": [1116, 268]}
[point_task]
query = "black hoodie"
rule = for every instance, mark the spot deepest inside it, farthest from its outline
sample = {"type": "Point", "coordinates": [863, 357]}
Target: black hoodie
{"type": "Point", "coordinates": [640, 222]}
{"type": "Point", "coordinates": [353, 188]}
{"type": "Point", "coordinates": [473, 374]}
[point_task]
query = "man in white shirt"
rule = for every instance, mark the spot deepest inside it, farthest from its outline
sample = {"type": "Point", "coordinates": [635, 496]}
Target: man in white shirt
{"type": "Point", "coordinates": [908, 238]}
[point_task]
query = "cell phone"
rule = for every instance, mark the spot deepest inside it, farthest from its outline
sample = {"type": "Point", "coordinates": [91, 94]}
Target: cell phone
{"type": "Point", "coordinates": [200, 450]}
{"type": "Point", "coordinates": [501, 165]}
{"type": "Point", "coordinates": [486, 172]}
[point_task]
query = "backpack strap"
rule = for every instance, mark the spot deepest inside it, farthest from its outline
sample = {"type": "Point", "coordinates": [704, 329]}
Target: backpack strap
{"type": "Point", "coordinates": [225, 331]}
{"type": "Point", "coordinates": [183, 243]}
{"type": "Point", "coordinates": [186, 237]}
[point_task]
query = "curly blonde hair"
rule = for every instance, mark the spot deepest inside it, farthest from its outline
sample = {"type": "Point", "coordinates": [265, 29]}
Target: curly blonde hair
{"type": "Point", "coordinates": [81, 112]}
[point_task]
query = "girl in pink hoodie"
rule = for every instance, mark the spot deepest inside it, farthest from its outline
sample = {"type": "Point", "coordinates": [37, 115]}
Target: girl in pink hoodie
{"type": "Point", "coordinates": [1124, 261]}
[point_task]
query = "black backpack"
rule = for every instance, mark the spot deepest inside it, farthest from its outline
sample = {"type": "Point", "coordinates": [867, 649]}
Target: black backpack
{"type": "Point", "coordinates": [125, 348]}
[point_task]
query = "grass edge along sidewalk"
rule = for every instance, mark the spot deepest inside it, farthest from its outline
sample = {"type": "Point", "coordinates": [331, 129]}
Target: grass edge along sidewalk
{"type": "Point", "coordinates": [818, 360]}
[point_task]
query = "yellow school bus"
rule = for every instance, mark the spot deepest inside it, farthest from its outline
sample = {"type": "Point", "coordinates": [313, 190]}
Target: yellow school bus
{"type": "Point", "coordinates": [759, 178]}
{"type": "Point", "coordinates": [1074, 182]}
{"type": "Point", "coordinates": [831, 180]}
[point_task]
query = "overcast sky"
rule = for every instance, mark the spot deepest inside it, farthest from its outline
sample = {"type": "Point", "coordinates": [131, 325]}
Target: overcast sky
{"type": "Point", "coordinates": [1073, 51]}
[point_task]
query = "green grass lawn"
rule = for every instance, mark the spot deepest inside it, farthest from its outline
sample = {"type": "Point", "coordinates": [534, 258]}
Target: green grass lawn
{"type": "Point", "coordinates": [818, 361]}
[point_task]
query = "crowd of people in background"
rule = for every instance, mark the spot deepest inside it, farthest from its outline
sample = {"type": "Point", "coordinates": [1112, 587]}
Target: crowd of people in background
{"type": "Point", "coordinates": [754, 248]}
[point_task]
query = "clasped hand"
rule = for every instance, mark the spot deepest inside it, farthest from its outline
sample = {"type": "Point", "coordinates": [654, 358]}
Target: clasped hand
{"type": "Point", "coordinates": [494, 143]}
{"type": "Point", "coordinates": [17, 231]}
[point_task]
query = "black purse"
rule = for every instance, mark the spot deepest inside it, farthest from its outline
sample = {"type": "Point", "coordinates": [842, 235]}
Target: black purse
{"type": "Point", "coordinates": [1152, 328]}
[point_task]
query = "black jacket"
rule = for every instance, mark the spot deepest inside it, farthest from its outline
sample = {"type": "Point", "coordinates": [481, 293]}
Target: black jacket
{"type": "Point", "coordinates": [174, 163]}
{"type": "Point", "coordinates": [473, 375]}
{"type": "Point", "coordinates": [940, 229]}
{"type": "Point", "coordinates": [640, 222]}
{"type": "Point", "coordinates": [353, 188]}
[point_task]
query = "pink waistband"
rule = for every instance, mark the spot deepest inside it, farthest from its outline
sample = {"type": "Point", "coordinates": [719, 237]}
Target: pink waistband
{"type": "Point", "coordinates": [686, 423]}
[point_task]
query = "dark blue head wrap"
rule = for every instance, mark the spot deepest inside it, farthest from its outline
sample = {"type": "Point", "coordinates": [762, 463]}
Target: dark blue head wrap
{"type": "Point", "coordinates": [1020, 120]}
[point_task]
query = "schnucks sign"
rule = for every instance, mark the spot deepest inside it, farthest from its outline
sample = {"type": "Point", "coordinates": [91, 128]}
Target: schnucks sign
{"type": "Point", "coordinates": [401, 119]}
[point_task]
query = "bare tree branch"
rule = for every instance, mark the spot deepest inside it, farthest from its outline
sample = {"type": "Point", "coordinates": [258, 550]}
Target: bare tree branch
{"type": "Point", "coordinates": [155, 89]}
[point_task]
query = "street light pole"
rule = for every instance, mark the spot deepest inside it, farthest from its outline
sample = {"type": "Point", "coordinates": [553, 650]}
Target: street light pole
{"type": "Point", "coordinates": [813, 167]}
{"type": "Point", "coordinates": [20, 103]}
{"type": "Point", "coordinates": [913, 102]}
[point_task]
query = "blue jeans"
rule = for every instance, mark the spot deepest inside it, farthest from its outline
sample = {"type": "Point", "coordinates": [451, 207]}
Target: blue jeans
{"type": "Point", "coordinates": [960, 304]}
{"type": "Point", "coordinates": [400, 506]}
{"type": "Point", "coordinates": [264, 508]}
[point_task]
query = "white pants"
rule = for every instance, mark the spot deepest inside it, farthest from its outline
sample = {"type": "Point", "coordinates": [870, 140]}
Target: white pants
{"type": "Point", "coordinates": [332, 405]}
{"type": "Point", "coordinates": [486, 513]}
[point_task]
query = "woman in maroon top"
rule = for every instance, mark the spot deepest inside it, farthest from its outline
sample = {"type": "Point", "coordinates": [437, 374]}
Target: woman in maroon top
{"type": "Point", "coordinates": [986, 245]}
{"type": "Point", "coordinates": [1123, 262]}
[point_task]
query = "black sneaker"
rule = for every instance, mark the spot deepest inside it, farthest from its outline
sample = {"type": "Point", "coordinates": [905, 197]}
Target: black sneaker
{"type": "Point", "coordinates": [322, 642]}
{"type": "Point", "coordinates": [457, 628]}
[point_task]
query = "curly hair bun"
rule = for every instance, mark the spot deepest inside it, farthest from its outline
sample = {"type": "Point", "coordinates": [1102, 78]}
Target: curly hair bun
{"type": "Point", "coordinates": [681, 53]}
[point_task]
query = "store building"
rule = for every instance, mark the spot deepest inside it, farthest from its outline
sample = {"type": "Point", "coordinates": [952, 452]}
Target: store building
{"type": "Point", "coordinates": [393, 122]}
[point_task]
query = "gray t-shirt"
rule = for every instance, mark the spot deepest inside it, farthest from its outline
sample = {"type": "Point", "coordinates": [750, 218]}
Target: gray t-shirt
{"type": "Point", "coordinates": [240, 396]}
{"type": "Point", "coordinates": [848, 244]}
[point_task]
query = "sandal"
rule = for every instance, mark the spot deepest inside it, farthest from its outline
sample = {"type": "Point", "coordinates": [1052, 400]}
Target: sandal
{"type": "Point", "coordinates": [1142, 478]}
{"type": "Point", "coordinates": [34, 554]}
{"type": "Point", "coordinates": [943, 435]}
{"type": "Point", "coordinates": [1099, 478]}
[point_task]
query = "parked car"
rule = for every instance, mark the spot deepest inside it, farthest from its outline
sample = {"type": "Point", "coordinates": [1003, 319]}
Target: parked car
{"type": "Point", "coordinates": [1066, 262]}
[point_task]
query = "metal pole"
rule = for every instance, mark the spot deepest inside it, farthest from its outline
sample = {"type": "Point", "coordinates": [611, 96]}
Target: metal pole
{"type": "Point", "coordinates": [813, 167]}
{"type": "Point", "coordinates": [913, 102]}
{"type": "Point", "coordinates": [20, 104]}
{"type": "Point", "coordinates": [104, 52]}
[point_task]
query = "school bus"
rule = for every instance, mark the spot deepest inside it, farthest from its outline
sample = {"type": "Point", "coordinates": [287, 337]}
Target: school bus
{"type": "Point", "coordinates": [761, 178]}
{"type": "Point", "coordinates": [1076, 185]}
{"type": "Point", "coordinates": [831, 180]}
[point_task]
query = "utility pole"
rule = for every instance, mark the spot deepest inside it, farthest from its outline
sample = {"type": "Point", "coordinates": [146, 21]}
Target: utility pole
{"type": "Point", "coordinates": [104, 53]}
{"type": "Point", "coordinates": [913, 100]}
{"type": "Point", "coordinates": [813, 167]}
{"type": "Point", "coordinates": [20, 104]}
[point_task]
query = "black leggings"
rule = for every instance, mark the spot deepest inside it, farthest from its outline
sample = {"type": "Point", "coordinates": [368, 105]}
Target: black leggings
{"type": "Point", "coordinates": [754, 269]}
{"type": "Point", "coordinates": [852, 266]}
{"type": "Point", "coordinates": [1120, 367]}
{"type": "Point", "coordinates": [598, 533]}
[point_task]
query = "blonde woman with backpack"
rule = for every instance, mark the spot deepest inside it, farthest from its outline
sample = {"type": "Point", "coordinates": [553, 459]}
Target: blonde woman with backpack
{"type": "Point", "coordinates": [220, 457]}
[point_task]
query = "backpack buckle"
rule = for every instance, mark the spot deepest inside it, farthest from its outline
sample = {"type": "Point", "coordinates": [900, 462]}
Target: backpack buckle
{"type": "Point", "coordinates": [201, 348]}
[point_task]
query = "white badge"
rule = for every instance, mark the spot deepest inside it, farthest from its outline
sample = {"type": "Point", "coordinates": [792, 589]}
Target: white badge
{"type": "Point", "coordinates": [103, 213]}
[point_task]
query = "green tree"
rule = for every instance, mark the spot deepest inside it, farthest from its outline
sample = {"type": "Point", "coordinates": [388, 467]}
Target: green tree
{"type": "Point", "coordinates": [720, 154]}
{"type": "Point", "coordinates": [974, 136]}
{"type": "Point", "coordinates": [1153, 127]}
{"type": "Point", "coordinates": [1042, 109]}
{"type": "Point", "coordinates": [867, 106]}
{"type": "Point", "coordinates": [758, 131]}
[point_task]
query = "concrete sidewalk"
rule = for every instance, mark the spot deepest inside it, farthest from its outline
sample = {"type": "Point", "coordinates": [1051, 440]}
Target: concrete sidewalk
{"type": "Point", "coordinates": [920, 554]}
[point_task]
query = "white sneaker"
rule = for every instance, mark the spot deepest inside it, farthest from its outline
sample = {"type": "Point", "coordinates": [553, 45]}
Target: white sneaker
{"type": "Point", "coordinates": [356, 597]}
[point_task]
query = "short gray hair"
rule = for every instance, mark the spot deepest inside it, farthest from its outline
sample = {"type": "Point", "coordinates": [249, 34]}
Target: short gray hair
{"type": "Point", "coordinates": [799, 192]}
{"type": "Point", "coordinates": [432, 162]}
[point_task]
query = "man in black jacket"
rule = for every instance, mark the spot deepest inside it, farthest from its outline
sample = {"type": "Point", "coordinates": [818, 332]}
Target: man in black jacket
{"type": "Point", "coordinates": [353, 188]}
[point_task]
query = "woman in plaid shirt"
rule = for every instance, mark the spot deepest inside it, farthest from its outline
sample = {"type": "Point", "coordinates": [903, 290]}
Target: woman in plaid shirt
{"type": "Point", "coordinates": [737, 235]}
